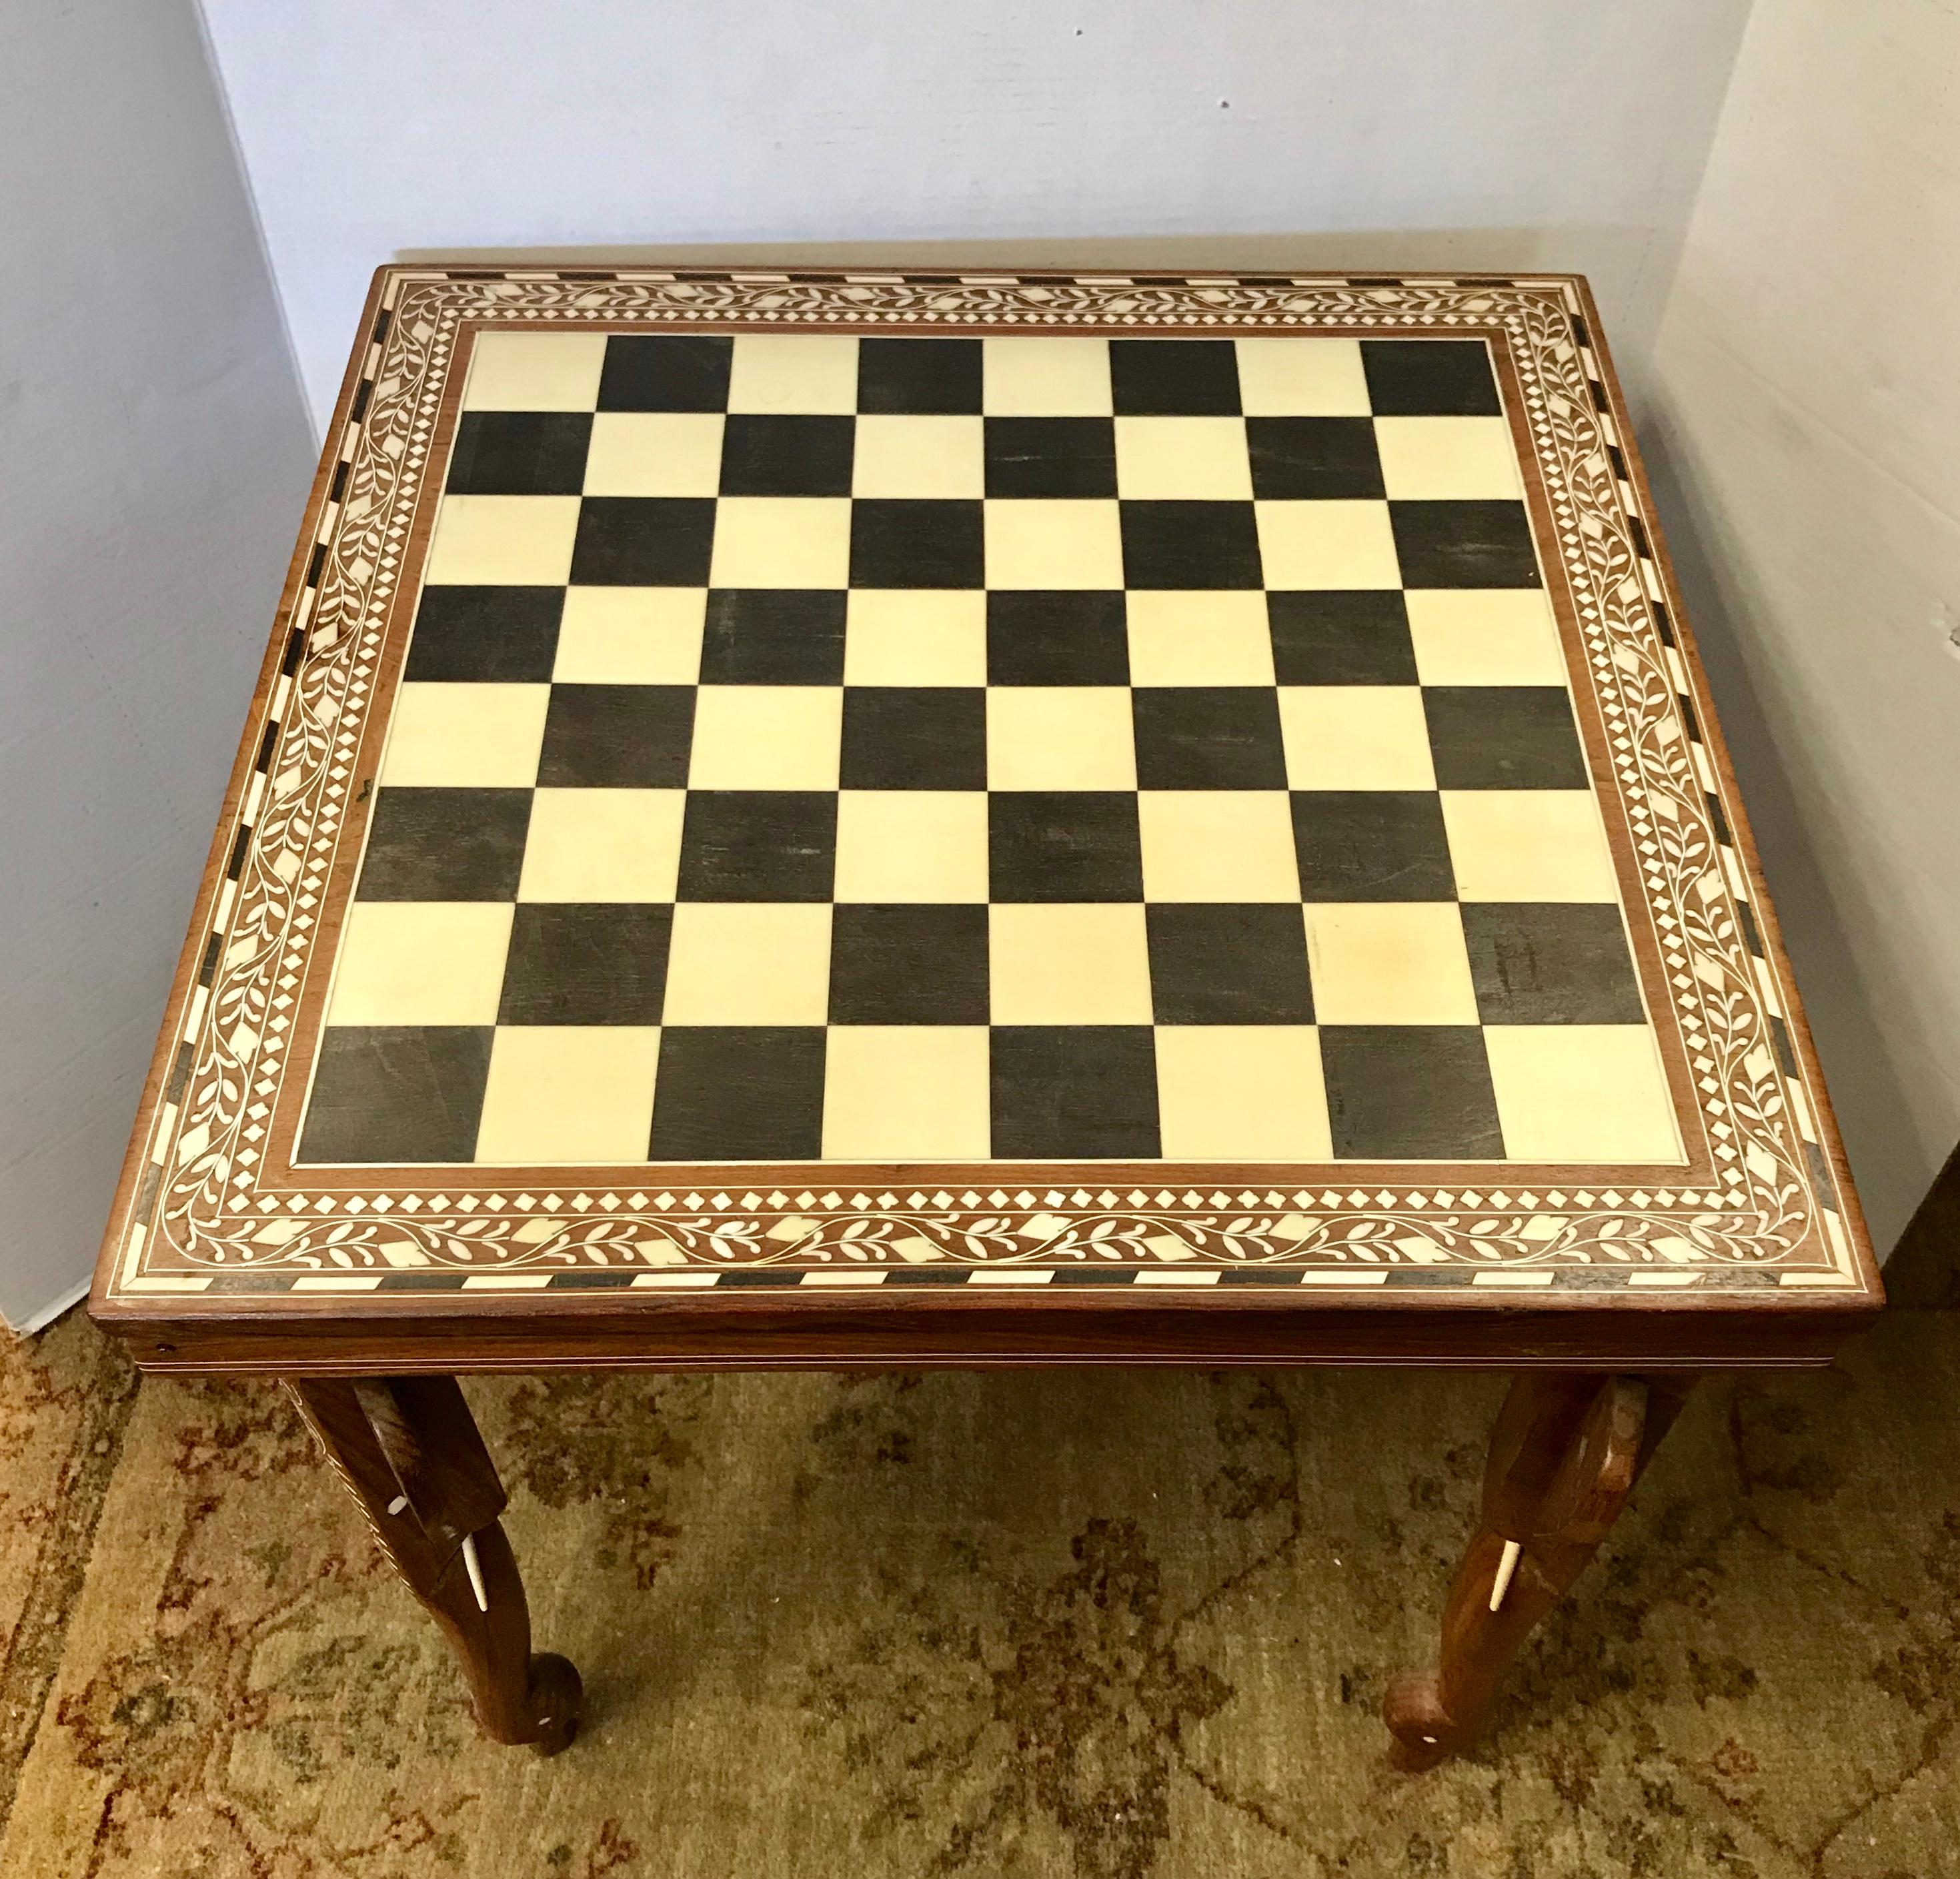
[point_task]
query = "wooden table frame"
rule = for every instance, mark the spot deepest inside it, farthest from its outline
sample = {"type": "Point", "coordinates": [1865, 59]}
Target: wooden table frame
{"type": "Point", "coordinates": [1600, 1373]}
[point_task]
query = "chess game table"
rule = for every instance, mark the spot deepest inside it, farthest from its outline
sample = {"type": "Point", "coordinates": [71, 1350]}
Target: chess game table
{"type": "Point", "coordinates": [844, 819]}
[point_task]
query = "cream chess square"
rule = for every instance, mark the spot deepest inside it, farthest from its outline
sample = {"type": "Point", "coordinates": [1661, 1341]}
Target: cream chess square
{"type": "Point", "coordinates": [654, 454]}
{"type": "Point", "coordinates": [781, 542]}
{"type": "Point", "coordinates": [1329, 544]}
{"type": "Point", "coordinates": [766, 737]}
{"type": "Point", "coordinates": [465, 737]}
{"type": "Point", "coordinates": [1242, 1092]}
{"type": "Point", "coordinates": [906, 1093]}
{"type": "Point", "coordinates": [1034, 542]}
{"type": "Point", "coordinates": [568, 1093]}
{"type": "Point", "coordinates": [1059, 736]}
{"type": "Point", "coordinates": [1301, 378]}
{"type": "Point", "coordinates": [748, 963]}
{"type": "Point", "coordinates": [535, 372]}
{"type": "Point", "coordinates": [1431, 459]}
{"type": "Point", "coordinates": [1068, 964]}
{"type": "Point", "coordinates": [415, 962]}
{"type": "Point", "coordinates": [589, 844]}
{"type": "Point", "coordinates": [630, 636]}
{"type": "Point", "coordinates": [1389, 962]}
{"type": "Point", "coordinates": [925, 846]}
{"type": "Point", "coordinates": [1206, 639]}
{"type": "Point", "coordinates": [1183, 458]}
{"type": "Point", "coordinates": [1217, 844]}
{"type": "Point", "coordinates": [919, 458]}
{"type": "Point", "coordinates": [503, 541]}
{"type": "Point", "coordinates": [915, 636]}
{"type": "Point", "coordinates": [1484, 636]}
{"type": "Point", "coordinates": [1581, 1093]}
{"type": "Point", "coordinates": [1045, 378]}
{"type": "Point", "coordinates": [796, 373]}
{"type": "Point", "coordinates": [1356, 737]}
{"type": "Point", "coordinates": [1528, 844]}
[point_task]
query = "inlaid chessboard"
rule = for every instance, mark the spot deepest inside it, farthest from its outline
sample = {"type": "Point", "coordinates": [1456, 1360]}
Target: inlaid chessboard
{"type": "Point", "coordinates": [769, 777]}
{"type": "Point", "coordinates": [821, 747]}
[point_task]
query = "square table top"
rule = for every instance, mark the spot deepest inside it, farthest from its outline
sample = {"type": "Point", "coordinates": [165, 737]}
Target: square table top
{"type": "Point", "coordinates": [769, 790]}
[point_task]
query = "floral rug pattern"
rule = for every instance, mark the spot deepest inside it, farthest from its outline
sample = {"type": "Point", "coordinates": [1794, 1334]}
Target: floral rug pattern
{"type": "Point", "coordinates": [1091, 1625]}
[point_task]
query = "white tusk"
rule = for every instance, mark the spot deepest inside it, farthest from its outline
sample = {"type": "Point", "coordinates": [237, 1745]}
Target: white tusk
{"type": "Point", "coordinates": [474, 1567]}
{"type": "Point", "coordinates": [1506, 1567]}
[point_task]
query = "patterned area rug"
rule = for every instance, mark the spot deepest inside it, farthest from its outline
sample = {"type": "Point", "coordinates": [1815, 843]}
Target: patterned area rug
{"type": "Point", "coordinates": [1117, 1626]}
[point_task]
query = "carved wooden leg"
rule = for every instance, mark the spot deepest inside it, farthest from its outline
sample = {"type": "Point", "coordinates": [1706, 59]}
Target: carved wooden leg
{"type": "Point", "coordinates": [409, 1449]}
{"type": "Point", "coordinates": [1564, 1455]}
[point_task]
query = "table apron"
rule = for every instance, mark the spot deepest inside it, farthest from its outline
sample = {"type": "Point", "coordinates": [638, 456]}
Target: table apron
{"type": "Point", "coordinates": [334, 1337]}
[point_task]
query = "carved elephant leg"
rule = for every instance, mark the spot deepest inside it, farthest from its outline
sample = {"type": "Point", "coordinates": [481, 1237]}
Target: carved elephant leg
{"type": "Point", "coordinates": [1565, 1453]}
{"type": "Point", "coordinates": [408, 1448]}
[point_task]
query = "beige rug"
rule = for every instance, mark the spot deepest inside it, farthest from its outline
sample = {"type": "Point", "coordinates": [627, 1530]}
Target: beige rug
{"type": "Point", "coordinates": [1121, 1626]}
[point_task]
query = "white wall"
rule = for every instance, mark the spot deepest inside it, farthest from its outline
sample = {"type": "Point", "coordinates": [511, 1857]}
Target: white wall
{"type": "Point", "coordinates": [156, 457]}
{"type": "Point", "coordinates": [1805, 415]}
{"type": "Point", "coordinates": [1511, 134]}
